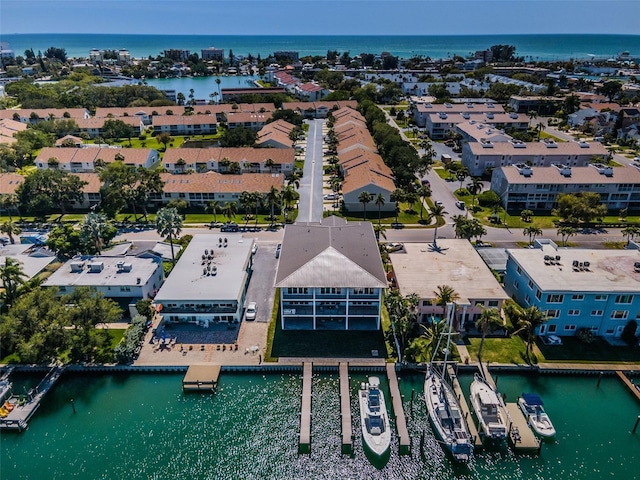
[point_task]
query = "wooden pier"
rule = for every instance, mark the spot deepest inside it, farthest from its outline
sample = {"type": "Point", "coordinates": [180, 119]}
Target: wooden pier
{"type": "Point", "coordinates": [345, 409]}
{"type": "Point", "coordinates": [464, 407]}
{"type": "Point", "coordinates": [521, 437]}
{"type": "Point", "coordinates": [201, 377]}
{"type": "Point", "coordinates": [24, 408]}
{"type": "Point", "coordinates": [398, 410]}
{"type": "Point", "coordinates": [634, 390]}
{"type": "Point", "coordinates": [304, 445]}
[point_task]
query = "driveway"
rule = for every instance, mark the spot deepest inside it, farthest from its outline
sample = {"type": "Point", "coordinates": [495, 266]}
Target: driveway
{"type": "Point", "coordinates": [310, 204]}
{"type": "Point", "coordinates": [261, 288]}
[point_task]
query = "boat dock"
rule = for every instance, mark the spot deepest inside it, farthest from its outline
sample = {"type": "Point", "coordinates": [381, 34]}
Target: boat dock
{"type": "Point", "coordinates": [24, 408]}
{"type": "Point", "coordinates": [634, 390]}
{"type": "Point", "coordinates": [345, 409]}
{"type": "Point", "coordinates": [521, 437]}
{"type": "Point", "coordinates": [304, 445]}
{"type": "Point", "coordinates": [398, 410]}
{"type": "Point", "coordinates": [201, 377]}
{"type": "Point", "coordinates": [464, 407]}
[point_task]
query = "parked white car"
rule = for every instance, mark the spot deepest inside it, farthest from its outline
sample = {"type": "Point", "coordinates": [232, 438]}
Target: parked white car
{"type": "Point", "coordinates": [252, 309]}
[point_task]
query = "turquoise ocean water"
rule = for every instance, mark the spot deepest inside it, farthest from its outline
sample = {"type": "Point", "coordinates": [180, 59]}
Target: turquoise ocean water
{"type": "Point", "coordinates": [144, 427]}
{"type": "Point", "coordinates": [541, 47]}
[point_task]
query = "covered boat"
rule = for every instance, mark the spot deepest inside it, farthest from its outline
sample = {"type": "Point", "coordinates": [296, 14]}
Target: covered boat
{"type": "Point", "coordinates": [376, 432]}
{"type": "Point", "coordinates": [490, 409]}
{"type": "Point", "coordinates": [533, 409]}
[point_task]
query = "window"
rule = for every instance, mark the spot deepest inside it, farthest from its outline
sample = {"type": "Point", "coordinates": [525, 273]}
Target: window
{"type": "Point", "coordinates": [363, 291]}
{"type": "Point", "coordinates": [619, 314]}
{"type": "Point", "coordinates": [298, 290]}
{"type": "Point", "coordinates": [553, 313]}
{"type": "Point", "coordinates": [527, 298]}
{"type": "Point", "coordinates": [518, 269]}
{"type": "Point", "coordinates": [516, 284]}
{"type": "Point", "coordinates": [610, 331]}
{"type": "Point", "coordinates": [62, 288]}
{"type": "Point", "coordinates": [576, 298]}
{"type": "Point", "coordinates": [574, 313]}
{"type": "Point", "coordinates": [555, 298]}
{"type": "Point", "coordinates": [479, 303]}
{"type": "Point", "coordinates": [493, 303]}
{"type": "Point", "coordinates": [538, 294]}
{"type": "Point", "coordinates": [569, 327]}
{"type": "Point", "coordinates": [426, 303]}
{"type": "Point", "coordinates": [531, 284]}
{"type": "Point", "coordinates": [125, 289]}
{"type": "Point", "coordinates": [600, 298]}
{"type": "Point", "coordinates": [597, 313]}
{"type": "Point", "coordinates": [552, 327]}
{"type": "Point", "coordinates": [624, 299]}
{"type": "Point", "coordinates": [330, 290]}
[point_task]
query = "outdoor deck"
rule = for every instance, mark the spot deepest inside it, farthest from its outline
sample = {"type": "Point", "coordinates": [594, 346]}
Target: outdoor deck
{"type": "Point", "coordinates": [201, 377]}
{"type": "Point", "coordinates": [464, 407]}
{"type": "Point", "coordinates": [305, 416]}
{"type": "Point", "coordinates": [521, 437]}
{"type": "Point", "coordinates": [398, 410]}
{"type": "Point", "coordinates": [629, 384]}
{"type": "Point", "coordinates": [345, 409]}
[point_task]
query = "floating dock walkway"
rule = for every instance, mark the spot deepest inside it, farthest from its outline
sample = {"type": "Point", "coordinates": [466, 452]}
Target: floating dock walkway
{"type": "Point", "coordinates": [634, 390]}
{"type": "Point", "coordinates": [398, 410]}
{"type": "Point", "coordinates": [345, 409]}
{"type": "Point", "coordinates": [201, 377]}
{"type": "Point", "coordinates": [521, 437]}
{"type": "Point", "coordinates": [304, 445]}
{"type": "Point", "coordinates": [22, 411]}
{"type": "Point", "coordinates": [464, 407]}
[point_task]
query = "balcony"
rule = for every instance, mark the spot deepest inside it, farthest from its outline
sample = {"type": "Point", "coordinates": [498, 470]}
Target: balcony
{"type": "Point", "coordinates": [201, 309]}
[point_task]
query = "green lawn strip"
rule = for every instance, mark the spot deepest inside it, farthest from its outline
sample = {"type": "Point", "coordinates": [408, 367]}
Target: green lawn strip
{"type": "Point", "coordinates": [499, 350]}
{"type": "Point", "coordinates": [386, 325]}
{"type": "Point", "coordinates": [116, 335]}
{"type": "Point", "coordinates": [275, 320]}
{"type": "Point", "coordinates": [544, 135]}
{"type": "Point", "coordinates": [573, 350]}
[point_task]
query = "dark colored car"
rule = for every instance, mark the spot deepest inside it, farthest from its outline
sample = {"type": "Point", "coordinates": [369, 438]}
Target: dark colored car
{"type": "Point", "coordinates": [230, 227]}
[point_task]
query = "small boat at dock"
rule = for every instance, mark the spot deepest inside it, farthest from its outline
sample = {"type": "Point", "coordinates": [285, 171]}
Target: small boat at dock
{"type": "Point", "coordinates": [376, 431]}
{"type": "Point", "coordinates": [490, 409]}
{"type": "Point", "coordinates": [533, 409]}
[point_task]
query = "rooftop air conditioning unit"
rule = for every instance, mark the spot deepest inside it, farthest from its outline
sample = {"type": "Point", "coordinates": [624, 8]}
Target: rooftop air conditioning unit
{"type": "Point", "coordinates": [77, 266]}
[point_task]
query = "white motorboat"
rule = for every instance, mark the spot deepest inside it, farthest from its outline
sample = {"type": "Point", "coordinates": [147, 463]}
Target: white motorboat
{"type": "Point", "coordinates": [532, 407]}
{"type": "Point", "coordinates": [376, 432]}
{"type": "Point", "coordinates": [444, 409]}
{"type": "Point", "coordinates": [490, 409]}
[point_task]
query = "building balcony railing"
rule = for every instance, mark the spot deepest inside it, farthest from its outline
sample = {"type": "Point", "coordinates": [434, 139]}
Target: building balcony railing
{"type": "Point", "coordinates": [203, 310]}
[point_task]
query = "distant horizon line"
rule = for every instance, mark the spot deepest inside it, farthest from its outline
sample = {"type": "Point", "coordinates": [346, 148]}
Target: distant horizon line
{"type": "Point", "coordinates": [329, 35]}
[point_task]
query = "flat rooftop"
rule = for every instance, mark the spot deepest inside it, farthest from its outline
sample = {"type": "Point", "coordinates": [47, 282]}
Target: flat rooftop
{"type": "Point", "coordinates": [188, 279]}
{"type": "Point", "coordinates": [608, 271]}
{"type": "Point", "coordinates": [457, 264]}
{"type": "Point", "coordinates": [109, 276]}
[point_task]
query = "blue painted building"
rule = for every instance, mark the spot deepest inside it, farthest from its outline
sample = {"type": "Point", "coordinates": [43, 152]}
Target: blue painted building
{"type": "Point", "coordinates": [577, 288]}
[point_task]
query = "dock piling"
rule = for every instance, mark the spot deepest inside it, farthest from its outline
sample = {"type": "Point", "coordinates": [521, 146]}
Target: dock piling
{"type": "Point", "coordinates": [600, 378]}
{"type": "Point", "coordinates": [73, 405]}
{"type": "Point", "coordinates": [635, 427]}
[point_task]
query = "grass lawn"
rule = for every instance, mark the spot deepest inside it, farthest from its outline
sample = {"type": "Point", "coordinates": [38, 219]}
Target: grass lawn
{"type": "Point", "coordinates": [544, 135]}
{"type": "Point", "coordinates": [499, 350]}
{"type": "Point", "coordinates": [574, 351]}
{"type": "Point", "coordinates": [116, 335]}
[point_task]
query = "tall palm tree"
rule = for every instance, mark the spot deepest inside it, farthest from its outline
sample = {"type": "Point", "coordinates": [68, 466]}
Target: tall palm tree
{"type": "Point", "coordinates": [532, 231]}
{"type": "Point", "coordinates": [273, 199]}
{"type": "Point", "coordinates": [229, 210]}
{"type": "Point", "coordinates": [213, 206]}
{"type": "Point", "coordinates": [10, 201]}
{"type": "Point", "coordinates": [379, 201]}
{"type": "Point", "coordinates": [423, 192]}
{"type": "Point", "coordinates": [294, 179]}
{"type": "Point", "coordinates": [475, 187]}
{"type": "Point", "coordinates": [445, 295]}
{"type": "Point", "coordinates": [12, 277]}
{"type": "Point", "coordinates": [169, 224]}
{"type": "Point", "coordinates": [437, 213]}
{"type": "Point", "coordinates": [289, 197]}
{"type": "Point", "coordinates": [489, 319]}
{"type": "Point", "coordinates": [629, 232]}
{"type": "Point", "coordinates": [218, 83]}
{"type": "Point", "coordinates": [258, 200]}
{"type": "Point", "coordinates": [246, 203]}
{"type": "Point", "coordinates": [269, 163]}
{"type": "Point", "coordinates": [10, 229]}
{"type": "Point", "coordinates": [567, 231]}
{"type": "Point", "coordinates": [528, 321]}
{"type": "Point", "coordinates": [93, 228]}
{"type": "Point", "coordinates": [364, 198]}
{"type": "Point", "coordinates": [380, 231]}
{"type": "Point", "coordinates": [397, 196]}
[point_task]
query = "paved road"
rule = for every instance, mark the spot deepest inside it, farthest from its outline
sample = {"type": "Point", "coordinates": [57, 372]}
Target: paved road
{"type": "Point", "coordinates": [310, 204]}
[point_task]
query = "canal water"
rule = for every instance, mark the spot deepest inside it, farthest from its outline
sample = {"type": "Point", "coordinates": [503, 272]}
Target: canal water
{"type": "Point", "coordinates": [203, 87]}
{"type": "Point", "coordinates": [143, 427]}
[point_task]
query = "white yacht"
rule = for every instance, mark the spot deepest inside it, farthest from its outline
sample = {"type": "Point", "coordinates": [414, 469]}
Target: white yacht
{"type": "Point", "coordinates": [444, 409]}
{"type": "Point", "coordinates": [532, 407]}
{"type": "Point", "coordinates": [490, 409]}
{"type": "Point", "coordinates": [376, 432]}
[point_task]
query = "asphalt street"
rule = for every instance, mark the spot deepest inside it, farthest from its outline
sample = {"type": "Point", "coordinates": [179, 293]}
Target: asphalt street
{"type": "Point", "coordinates": [310, 204]}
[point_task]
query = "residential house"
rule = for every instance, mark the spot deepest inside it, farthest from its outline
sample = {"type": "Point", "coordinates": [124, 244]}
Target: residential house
{"type": "Point", "coordinates": [8, 129]}
{"type": "Point", "coordinates": [330, 276]}
{"type": "Point", "coordinates": [94, 127]}
{"type": "Point", "coordinates": [76, 160]}
{"type": "Point", "coordinates": [185, 124]}
{"type": "Point", "coordinates": [275, 135]}
{"type": "Point", "coordinates": [318, 109]}
{"type": "Point", "coordinates": [577, 288]}
{"type": "Point", "coordinates": [440, 125]}
{"type": "Point", "coordinates": [422, 111]}
{"type": "Point", "coordinates": [250, 160]}
{"type": "Point", "coordinates": [310, 92]}
{"type": "Point", "coordinates": [35, 115]}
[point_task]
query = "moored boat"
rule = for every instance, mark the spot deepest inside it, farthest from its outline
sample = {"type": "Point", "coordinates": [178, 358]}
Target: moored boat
{"type": "Point", "coordinates": [533, 409]}
{"type": "Point", "coordinates": [376, 431]}
{"type": "Point", "coordinates": [490, 409]}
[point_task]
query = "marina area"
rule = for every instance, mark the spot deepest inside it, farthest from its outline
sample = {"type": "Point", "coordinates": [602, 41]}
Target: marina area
{"type": "Point", "coordinates": [128, 424]}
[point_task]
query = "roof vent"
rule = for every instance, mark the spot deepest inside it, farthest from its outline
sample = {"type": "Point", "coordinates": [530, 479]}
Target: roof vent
{"type": "Point", "coordinates": [489, 115]}
{"type": "Point", "coordinates": [518, 143]}
{"type": "Point", "coordinates": [550, 143]}
{"type": "Point", "coordinates": [583, 144]}
{"type": "Point", "coordinates": [605, 170]}
{"type": "Point", "coordinates": [442, 115]}
{"type": "Point", "coordinates": [96, 267]}
{"type": "Point", "coordinates": [524, 169]}
{"type": "Point", "coordinates": [565, 170]}
{"type": "Point", "coordinates": [513, 115]}
{"type": "Point", "coordinates": [77, 266]}
{"type": "Point", "coordinates": [466, 115]}
{"type": "Point", "coordinates": [486, 143]}
{"type": "Point", "coordinates": [448, 105]}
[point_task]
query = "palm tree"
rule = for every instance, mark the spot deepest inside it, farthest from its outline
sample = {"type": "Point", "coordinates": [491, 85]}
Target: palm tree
{"type": "Point", "coordinates": [379, 202]}
{"type": "Point", "coordinates": [475, 187]}
{"type": "Point", "coordinates": [269, 163]}
{"type": "Point", "coordinates": [539, 129]}
{"type": "Point", "coordinates": [526, 214]}
{"type": "Point", "coordinates": [258, 199]}
{"type": "Point", "coordinates": [10, 201]}
{"type": "Point", "coordinates": [528, 321]}
{"type": "Point", "coordinates": [273, 198]}
{"type": "Point", "coordinates": [437, 213]}
{"type": "Point", "coordinates": [532, 114]}
{"type": "Point", "coordinates": [289, 197]}
{"type": "Point", "coordinates": [567, 231]}
{"type": "Point", "coordinates": [629, 232]}
{"type": "Point", "coordinates": [213, 206]}
{"type": "Point", "coordinates": [423, 192]}
{"type": "Point", "coordinates": [364, 198]}
{"type": "Point", "coordinates": [532, 231]}
{"type": "Point", "coordinates": [229, 210]}
{"type": "Point", "coordinates": [445, 295]}
{"type": "Point", "coordinates": [489, 318]}
{"type": "Point", "coordinates": [218, 83]}
{"type": "Point", "coordinates": [169, 224]}
{"type": "Point", "coordinates": [294, 179]}
{"type": "Point", "coordinates": [461, 175]}
{"type": "Point", "coordinates": [12, 277]}
{"type": "Point", "coordinates": [93, 227]}
{"type": "Point", "coordinates": [380, 231]}
{"type": "Point", "coordinates": [246, 202]}
{"type": "Point", "coordinates": [397, 196]}
{"type": "Point", "coordinates": [10, 229]}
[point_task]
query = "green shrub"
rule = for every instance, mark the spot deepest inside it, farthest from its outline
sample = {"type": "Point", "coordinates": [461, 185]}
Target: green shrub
{"type": "Point", "coordinates": [585, 335]}
{"type": "Point", "coordinates": [488, 198]}
{"type": "Point", "coordinates": [629, 333]}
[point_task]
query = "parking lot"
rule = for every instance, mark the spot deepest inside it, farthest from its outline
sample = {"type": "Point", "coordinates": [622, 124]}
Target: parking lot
{"type": "Point", "coordinates": [261, 288]}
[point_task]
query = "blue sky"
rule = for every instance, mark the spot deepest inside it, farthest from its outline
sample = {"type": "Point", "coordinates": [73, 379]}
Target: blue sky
{"type": "Point", "coordinates": [315, 17]}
